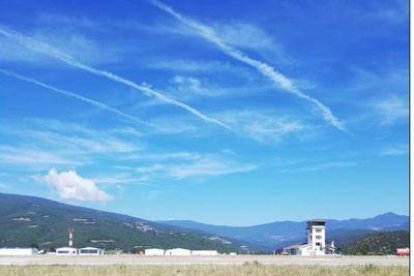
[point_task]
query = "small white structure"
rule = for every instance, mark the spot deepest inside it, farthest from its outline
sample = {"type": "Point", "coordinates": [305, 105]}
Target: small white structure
{"type": "Point", "coordinates": [65, 251]}
{"type": "Point", "coordinates": [330, 248]}
{"type": "Point", "coordinates": [204, 252]}
{"type": "Point", "coordinates": [91, 251]}
{"type": "Point", "coordinates": [18, 251]}
{"type": "Point", "coordinates": [233, 253]}
{"type": "Point", "coordinates": [315, 246]}
{"type": "Point", "coordinates": [178, 252]}
{"type": "Point", "coordinates": [154, 252]}
{"type": "Point", "coordinates": [298, 249]}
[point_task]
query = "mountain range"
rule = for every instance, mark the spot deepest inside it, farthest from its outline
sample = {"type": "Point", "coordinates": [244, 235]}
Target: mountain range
{"type": "Point", "coordinates": [278, 234]}
{"type": "Point", "coordinates": [27, 220]}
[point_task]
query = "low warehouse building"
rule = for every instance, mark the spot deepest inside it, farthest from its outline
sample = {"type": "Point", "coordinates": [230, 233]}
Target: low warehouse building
{"type": "Point", "coordinates": [91, 251]}
{"type": "Point", "coordinates": [154, 252]}
{"type": "Point", "coordinates": [18, 251]}
{"type": "Point", "coordinates": [66, 251]}
{"type": "Point", "coordinates": [178, 252]}
{"type": "Point", "coordinates": [299, 249]}
{"type": "Point", "coordinates": [204, 252]}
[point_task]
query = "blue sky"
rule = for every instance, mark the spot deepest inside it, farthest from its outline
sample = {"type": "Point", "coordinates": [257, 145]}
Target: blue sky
{"type": "Point", "coordinates": [231, 113]}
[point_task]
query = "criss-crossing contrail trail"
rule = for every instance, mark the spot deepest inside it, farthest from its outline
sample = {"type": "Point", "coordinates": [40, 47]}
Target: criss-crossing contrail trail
{"type": "Point", "coordinates": [76, 96]}
{"type": "Point", "coordinates": [265, 69]}
{"type": "Point", "coordinates": [49, 50]}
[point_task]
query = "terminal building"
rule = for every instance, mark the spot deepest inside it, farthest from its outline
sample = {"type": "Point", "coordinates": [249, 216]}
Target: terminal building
{"type": "Point", "coordinates": [316, 241]}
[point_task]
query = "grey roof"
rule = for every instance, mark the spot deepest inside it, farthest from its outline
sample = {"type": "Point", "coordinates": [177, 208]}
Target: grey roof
{"type": "Point", "coordinates": [317, 220]}
{"type": "Point", "coordinates": [297, 246]}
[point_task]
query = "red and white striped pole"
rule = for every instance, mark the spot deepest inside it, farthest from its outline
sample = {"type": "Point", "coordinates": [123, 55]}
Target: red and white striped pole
{"type": "Point", "coordinates": [71, 231]}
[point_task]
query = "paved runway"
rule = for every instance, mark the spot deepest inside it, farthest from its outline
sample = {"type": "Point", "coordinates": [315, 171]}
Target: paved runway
{"type": "Point", "coordinates": [201, 260]}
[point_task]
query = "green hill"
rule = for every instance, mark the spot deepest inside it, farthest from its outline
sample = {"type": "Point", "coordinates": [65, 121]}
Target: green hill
{"type": "Point", "coordinates": [383, 243]}
{"type": "Point", "coordinates": [26, 220]}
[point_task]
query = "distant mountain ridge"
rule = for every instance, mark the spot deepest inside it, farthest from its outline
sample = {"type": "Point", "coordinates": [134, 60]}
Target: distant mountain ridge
{"type": "Point", "coordinates": [281, 233]}
{"type": "Point", "coordinates": [26, 220]}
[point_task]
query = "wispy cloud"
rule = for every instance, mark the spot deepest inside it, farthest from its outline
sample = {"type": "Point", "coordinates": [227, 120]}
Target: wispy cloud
{"type": "Point", "coordinates": [379, 96]}
{"type": "Point", "coordinates": [119, 179]}
{"type": "Point", "coordinates": [263, 125]}
{"type": "Point", "coordinates": [392, 109]}
{"type": "Point", "coordinates": [192, 65]}
{"type": "Point", "coordinates": [77, 97]}
{"type": "Point", "coordinates": [190, 87]}
{"type": "Point", "coordinates": [33, 145]}
{"type": "Point", "coordinates": [125, 161]}
{"type": "Point", "coordinates": [276, 77]}
{"type": "Point", "coordinates": [24, 156]}
{"type": "Point", "coordinates": [163, 156]}
{"type": "Point", "coordinates": [206, 167]}
{"type": "Point", "coordinates": [49, 19]}
{"type": "Point", "coordinates": [394, 150]}
{"type": "Point", "coordinates": [179, 125]}
{"type": "Point", "coordinates": [83, 144]}
{"type": "Point", "coordinates": [392, 12]}
{"type": "Point", "coordinates": [190, 84]}
{"type": "Point", "coordinates": [203, 167]}
{"type": "Point", "coordinates": [69, 41]}
{"type": "Point", "coordinates": [68, 139]}
{"type": "Point", "coordinates": [146, 90]}
{"type": "Point", "coordinates": [194, 88]}
{"type": "Point", "coordinates": [244, 35]}
{"type": "Point", "coordinates": [70, 185]}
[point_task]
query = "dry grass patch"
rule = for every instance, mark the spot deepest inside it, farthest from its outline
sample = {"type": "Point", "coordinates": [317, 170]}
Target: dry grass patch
{"type": "Point", "coordinates": [213, 270]}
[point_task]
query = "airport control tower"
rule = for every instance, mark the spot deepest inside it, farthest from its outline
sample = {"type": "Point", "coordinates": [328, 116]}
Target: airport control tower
{"type": "Point", "coordinates": [316, 235]}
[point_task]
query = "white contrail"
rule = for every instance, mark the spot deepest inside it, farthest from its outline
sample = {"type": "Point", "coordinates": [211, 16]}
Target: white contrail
{"type": "Point", "coordinates": [77, 97]}
{"type": "Point", "coordinates": [55, 53]}
{"type": "Point", "coordinates": [265, 69]}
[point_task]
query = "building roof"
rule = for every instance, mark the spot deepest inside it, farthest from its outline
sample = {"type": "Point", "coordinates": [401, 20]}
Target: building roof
{"type": "Point", "coordinates": [317, 220]}
{"type": "Point", "coordinates": [66, 248]}
{"type": "Point", "coordinates": [301, 245]}
{"type": "Point", "coordinates": [18, 248]}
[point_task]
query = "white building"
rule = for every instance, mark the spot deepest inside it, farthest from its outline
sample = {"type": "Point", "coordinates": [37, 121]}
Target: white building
{"type": "Point", "coordinates": [315, 246]}
{"type": "Point", "coordinates": [18, 251]}
{"type": "Point", "coordinates": [66, 251]}
{"type": "Point", "coordinates": [91, 251]}
{"type": "Point", "coordinates": [298, 249]}
{"type": "Point", "coordinates": [154, 252]}
{"type": "Point", "coordinates": [204, 252]}
{"type": "Point", "coordinates": [178, 252]}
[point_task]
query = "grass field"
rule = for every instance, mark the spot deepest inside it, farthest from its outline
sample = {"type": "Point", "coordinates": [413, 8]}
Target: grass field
{"type": "Point", "coordinates": [214, 270]}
